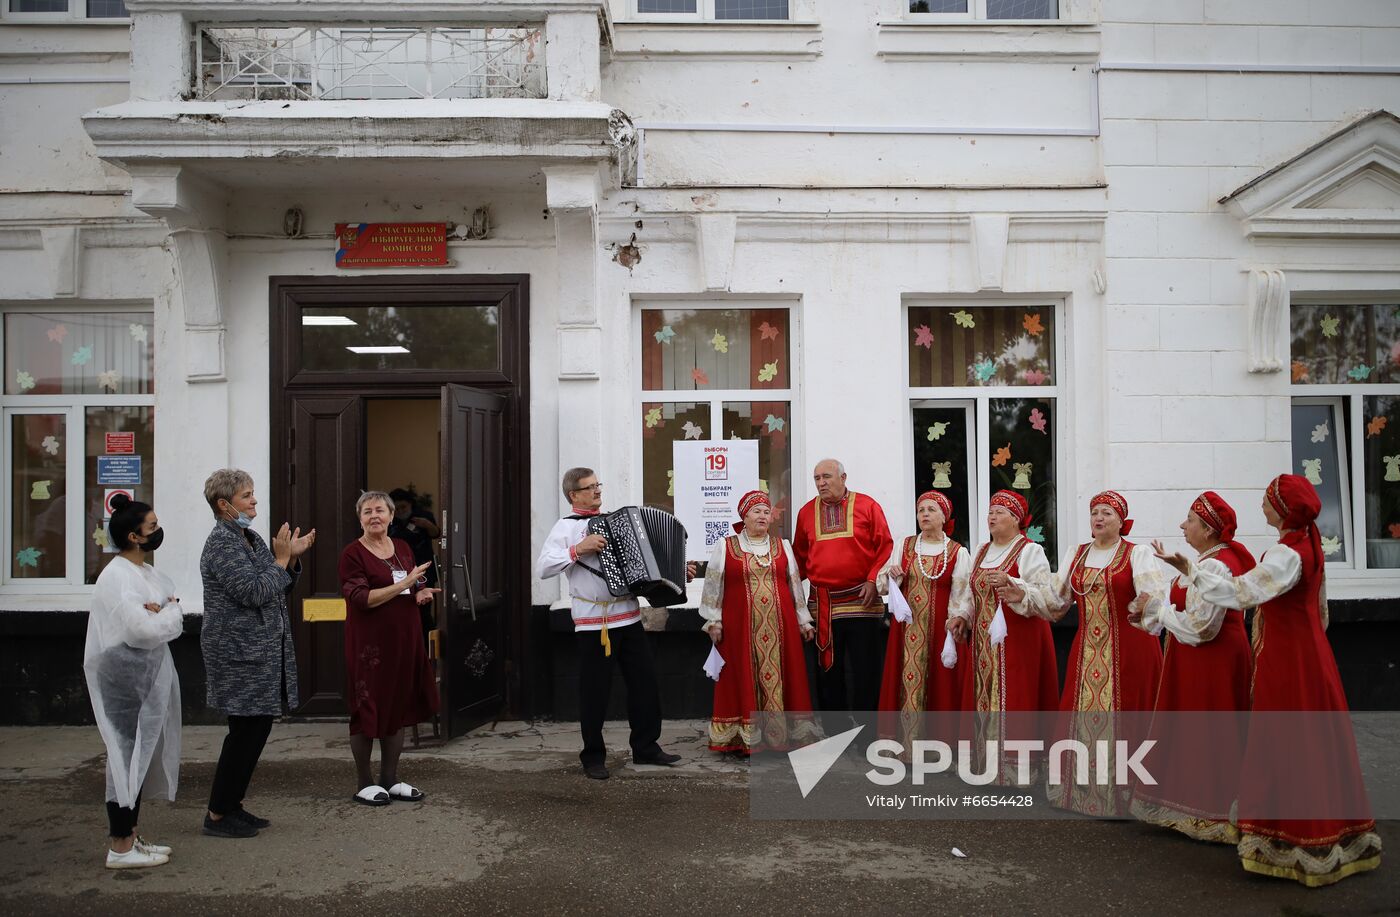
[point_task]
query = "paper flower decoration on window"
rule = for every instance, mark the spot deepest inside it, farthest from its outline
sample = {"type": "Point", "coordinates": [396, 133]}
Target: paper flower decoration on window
{"type": "Point", "coordinates": [1359, 373]}
{"type": "Point", "coordinates": [1299, 370]}
{"type": "Point", "coordinates": [138, 332]}
{"type": "Point", "coordinates": [1031, 322]}
{"type": "Point", "coordinates": [57, 333]}
{"type": "Point", "coordinates": [1038, 421]}
{"type": "Point", "coordinates": [1331, 545]}
{"type": "Point", "coordinates": [109, 379]}
{"type": "Point", "coordinates": [1312, 470]}
{"type": "Point", "coordinates": [1329, 326]}
{"type": "Point", "coordinates": [720, 343]}
{"type": "Point", "coordinates": [29, 557]}
{"type": "Point", "coordinates": [1375, 425]}
{"type": "Point", "coordinates": [24, 381]}
{"type": "Point", "coordinates": [699, 376]}
{"type": "Point", "coordinates": [665, 334]}
{"type": "Point", "coordinates": [769, 372]}
{"type": "Point", "coordinates": [923, 337]}
{"type": "Point", "coordinates": [1002, 456]}
{"type": "Point", "coordinates": [773, 422]}
{"type": "Point", "coordinates": [1319, 433]}
{"type": "Point", "coordinates": [653, 418]}
{"type": "Point", "coordinates": [51, 445]}
{"type": "Point", "coordinates": [1034, 377]}
{"type": "Point", "coordinates": [767, 332]}
{"type": "Point", "coordinates": [692, 431]}
{"type": "Point", "coordinates": [984, 370]}
{"type": "Point", "coordinates": [964, 318]}
{"type": "Point", "coordinates": [82, 356]}
{"type": "Point", "coordinates": [1036, 533]}
{"type": "Point", "coordinates": [99, 537]}
{"type": "Point", "coordinates": [937, 430]}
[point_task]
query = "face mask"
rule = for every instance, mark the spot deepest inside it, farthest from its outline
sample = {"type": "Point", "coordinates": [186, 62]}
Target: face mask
{"type": "Point", "coordinates": [153, 540]}
{"type": "Point", "coordinates": [243, 520]}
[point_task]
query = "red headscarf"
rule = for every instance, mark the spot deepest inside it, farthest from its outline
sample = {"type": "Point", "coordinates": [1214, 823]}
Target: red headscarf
{"type": "Point", "coordinates": [1114, 501]}
{"type": "Point", "coordinates": [1014, 503]}
{"type": "Point", "coordinates": [747, 502]}
{"type": "Point", "coordinates": [1220, 516]}
{"type": "Point", "coordinates": [1295, 499]}
{"type": "Point", "coordinates": [944, 504]}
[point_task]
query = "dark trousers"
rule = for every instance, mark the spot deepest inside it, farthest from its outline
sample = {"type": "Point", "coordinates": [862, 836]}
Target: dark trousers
{"type": "Point", "coordinates": [632, 654]}
{"type": "Point", "coordinates": [122, 821]}
{"type": "Point", "coordinates": [853, 681]}
{"type": "Point", "coordinates": [242, 747]}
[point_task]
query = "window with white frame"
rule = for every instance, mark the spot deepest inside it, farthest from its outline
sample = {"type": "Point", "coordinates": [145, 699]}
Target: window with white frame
{"type": "Point", "coordinates": [78, 414]}
{"type": "Point", "coordinates": [722, 10]}
{"type": "Point", "coordinates": [984, 399]}
{"type": "Point", "coordinates": [721, 372]}
{"type": "Point", "coordinates": [1000, 10]}
{"type": "Point", "coordinates": [62, 10]}
{"type": "Point", "coordinates": [1345, 371]}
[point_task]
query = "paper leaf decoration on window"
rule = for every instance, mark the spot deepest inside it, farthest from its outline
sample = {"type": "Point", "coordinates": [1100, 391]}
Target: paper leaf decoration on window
{"type": "Point", "coordinates": [1036, 533]}
{"type": "Point", "coordinates": [964, 318]}
{"type": "Point", "coordinates": [39, 490]}
{"type": "Point", "coordinates": [24, 381]}
{"type": "Point", "coordinates": [769, 372]}
{"type": "Point", "coordinates": [665, 334]}
{"type": "Point", "coordinates": [29, 557]}
{"type": "Point", "coordinates": [1319, 433]}
{"type": "Point", "coordinates": [984, 370]}
{"type": "Point", "coordinates": [923, 337]}
{"type": "Point", "coordinates": [138, 332]}
{"type": "Point", "coordinates": [720, 343]}
{"type": "Point", "coordinates": [1038, 421]}
{"type": "Point", "coordinates": [82, 356]}
{"type": "Point", "coordinates": [1312, 470]}
{"type": "Point", "coordinates": [1394, 529]}
{"type": "Point", "coordinates": [1331, 545]}
{"type": "Point", "coordinates": [1002, 456]}
{"type": "Point", "coordinates": [57, 333]}
{"type": "Point", "coordinates": [99, 537]}
{"type": "Point", "coordinates": [1392, 468]}
{"type": "Point", "coordinates": [1299, 370]}
{"type": "Point", "coordinates": [51, 445]}
{"type": "Point", "coordinates": [1359, 373]}
{"type": "Point", "coordinates": [691, 430]}
{"type": "Point", "coordinates": [1329, 326]}
{"type": "Point", "coordinates": [937, 430]}
{"type": "Point", "coordinates": [767, 332]}
{"type": "Point", "coordinates": [773, 422]}
{"type": "Point", "coordinates": [1031, 322]}
{"type": "Point", "coordinates": [1023, 475]}
{"type": "Point", "coordinates": [653, 418]}
{"type": "Point", "coordinates": [1375, 425]}
{"type": "Point", "coordinates": [1034, 377]}
{"type": "Point", "coordinates": [109, 379]}
{"type": "Point", "coordinates": [699, 376]}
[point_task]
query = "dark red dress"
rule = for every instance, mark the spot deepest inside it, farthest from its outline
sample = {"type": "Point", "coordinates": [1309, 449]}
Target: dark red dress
{"type": "Point", "coordinates": [389, 680]}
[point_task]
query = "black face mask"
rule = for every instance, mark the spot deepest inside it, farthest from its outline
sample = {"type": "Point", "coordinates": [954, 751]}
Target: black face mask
{"type": "Point", "coordinates": [153, 540]}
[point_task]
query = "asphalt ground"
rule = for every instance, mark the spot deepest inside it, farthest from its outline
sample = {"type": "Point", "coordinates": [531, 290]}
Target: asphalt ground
{"type": "Point", "coordinates": [510, 826]}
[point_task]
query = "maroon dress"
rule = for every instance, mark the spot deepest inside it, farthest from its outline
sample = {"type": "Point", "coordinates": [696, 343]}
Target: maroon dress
{"type": "Point", "coordinates": [389, 681]}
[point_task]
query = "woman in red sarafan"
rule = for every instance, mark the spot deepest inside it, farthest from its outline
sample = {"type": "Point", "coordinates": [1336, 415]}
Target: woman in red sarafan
{"type": "Point", "coordinates": [390, 682]}
{"type": "Point", "coordinates": [756, 617]}
{"type": "Point", "coordinates": [1200, 720]}
{"type": "Point", "coordinates": [1301, 755]}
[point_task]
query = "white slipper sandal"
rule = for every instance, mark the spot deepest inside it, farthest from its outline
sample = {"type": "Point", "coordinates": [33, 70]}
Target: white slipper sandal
{"type": "Point", "coordinates": [405, 793]}
{"type": "Point", "coordinates": [372, 795]}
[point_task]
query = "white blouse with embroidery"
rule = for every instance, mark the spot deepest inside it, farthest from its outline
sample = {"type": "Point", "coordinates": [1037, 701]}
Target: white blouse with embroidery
{"type": "Point", "coordinates": [1055, 594]}
{"type": "Point", "coordinates": [960, 597]}
{"type": "Point", "coordinates": [1200, 621]}
{"type": "Point", "coordinates": [1277, 572]}
{"type": "Point", "coordinates": [1034, 570]}
{"type": "Point", "coordinates": [712, 596]}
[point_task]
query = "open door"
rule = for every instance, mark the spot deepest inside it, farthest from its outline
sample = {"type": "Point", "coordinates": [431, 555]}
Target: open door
{"type": "Point", "coordinates": [480, 515]}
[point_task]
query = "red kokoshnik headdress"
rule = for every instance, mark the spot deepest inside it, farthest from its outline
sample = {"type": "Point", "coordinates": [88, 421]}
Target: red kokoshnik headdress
{"type": "Point", "coordinates": [1015, 504]}
{"type": "Point", "coordinates": [1295, 499]}
{"type": "Point", "coordinates": [1220, 516]}
{"type": "Point", "coordinates": [1114, 501]}
{"type": "Point", "coordinates": [944, 504]}
{"type": "Point", "coordinates": [747, 502]}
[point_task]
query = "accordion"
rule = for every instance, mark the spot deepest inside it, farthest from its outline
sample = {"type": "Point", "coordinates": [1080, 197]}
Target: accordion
{"type": "Point", "coordinates": [644, 555]}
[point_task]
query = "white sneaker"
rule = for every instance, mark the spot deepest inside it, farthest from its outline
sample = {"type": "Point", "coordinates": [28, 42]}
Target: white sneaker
{"type": "Point", "coordinates": [157, 849]}
{"type": "Point", "coordinates": [135, 858]}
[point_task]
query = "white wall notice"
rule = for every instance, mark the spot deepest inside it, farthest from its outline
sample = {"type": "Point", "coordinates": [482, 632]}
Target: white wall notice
{"type": "Point", "coordinates": [710, 478]}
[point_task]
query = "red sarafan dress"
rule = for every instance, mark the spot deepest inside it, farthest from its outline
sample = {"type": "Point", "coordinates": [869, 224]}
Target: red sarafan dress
{"type": "Point", "coordinates": [765, 670]}
{"type": "Point", "coordinates": [389, 681]}
{"type": "Point", "coordinates": [914, 678]}
{"type": "Point", "coordinates": [1113, 666]}
{"type": "Point", "coordinates": [1200, 721]}
{"type": "Point", "coordinates": [1301, 749]}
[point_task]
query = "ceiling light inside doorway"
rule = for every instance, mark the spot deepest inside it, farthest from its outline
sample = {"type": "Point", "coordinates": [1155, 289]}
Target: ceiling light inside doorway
{"type": "Point", "coordinates": [393, 348]}
{"type": "Point", "coordinates": [327, 320]}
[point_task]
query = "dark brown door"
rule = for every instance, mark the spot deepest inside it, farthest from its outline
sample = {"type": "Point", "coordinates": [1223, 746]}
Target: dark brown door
{"type": "Point", "coordinates": [325, 443]}
{"type": "Point", "coordinates": [481, 515]}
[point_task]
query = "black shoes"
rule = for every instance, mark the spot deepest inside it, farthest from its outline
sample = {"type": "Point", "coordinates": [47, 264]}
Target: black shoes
{"type": "Point", "coordinates": [659, 758]}
{"type": "Point", "coordinates": [248, 818]}
{"type": "Point", "coordinates": [229, 826]}
{"type": "Point", "coordinates": [596, 771]}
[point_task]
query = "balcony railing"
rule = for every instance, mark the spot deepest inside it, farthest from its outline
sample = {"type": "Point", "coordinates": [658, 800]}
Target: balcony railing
{"type": "Point", "coordinates": [305, 62]}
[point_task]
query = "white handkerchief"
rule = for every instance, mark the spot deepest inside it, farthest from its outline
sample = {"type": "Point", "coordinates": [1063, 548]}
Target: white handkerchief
{"type": "Point", "coordinates": [998, 629]}
{"type": "Point", "coordinates": [899, 606]}
{"type": "Point", "coordinates": [950, 652]}
{"type": "Point", "coordinates": [713, 663]}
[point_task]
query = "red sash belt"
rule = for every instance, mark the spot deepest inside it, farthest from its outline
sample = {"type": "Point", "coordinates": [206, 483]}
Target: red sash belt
{"type": "Point", "coordinates": [825, 656]}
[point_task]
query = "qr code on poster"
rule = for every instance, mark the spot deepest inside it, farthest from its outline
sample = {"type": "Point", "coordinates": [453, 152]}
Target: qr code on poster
{"type": "Point", "coordinates": [715, 532]}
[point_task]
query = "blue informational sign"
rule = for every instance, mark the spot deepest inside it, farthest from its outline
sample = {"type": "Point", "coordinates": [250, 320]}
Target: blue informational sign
{"type": "Point", "coordinates": [118, 469]}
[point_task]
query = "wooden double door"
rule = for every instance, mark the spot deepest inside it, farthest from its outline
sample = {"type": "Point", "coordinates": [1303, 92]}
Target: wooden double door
{"type": "Point", "coordinates": [481, 506]}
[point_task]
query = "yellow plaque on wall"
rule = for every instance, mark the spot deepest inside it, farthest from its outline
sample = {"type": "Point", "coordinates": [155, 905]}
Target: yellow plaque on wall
{"type": "Point", "coordinates": [323, 610]}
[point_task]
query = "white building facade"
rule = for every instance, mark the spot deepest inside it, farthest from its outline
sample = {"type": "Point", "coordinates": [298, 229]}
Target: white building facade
{"type": "Point", "coordinates": [1053, 245]}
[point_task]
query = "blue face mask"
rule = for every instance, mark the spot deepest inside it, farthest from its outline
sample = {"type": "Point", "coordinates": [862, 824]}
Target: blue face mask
{"type": "Point", "coordinates": [244, 520]}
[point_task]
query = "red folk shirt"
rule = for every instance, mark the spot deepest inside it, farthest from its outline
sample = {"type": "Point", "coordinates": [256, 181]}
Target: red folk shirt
{"type": "Point", "coordinates": [841, 545]}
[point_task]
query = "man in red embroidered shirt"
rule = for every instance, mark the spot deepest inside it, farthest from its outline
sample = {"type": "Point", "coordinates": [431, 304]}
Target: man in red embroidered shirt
{"type": "Point", "coordinates": [840, 540]}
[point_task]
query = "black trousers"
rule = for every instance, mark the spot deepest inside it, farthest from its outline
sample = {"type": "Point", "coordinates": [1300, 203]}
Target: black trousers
{"type": "Point", "coordinates": [853, 681]}
{"type": "Point", "coordinates": [632, 654]}
{"type": "Point", "coordinates": [121, 821]}
{"type": "Point", "coordinates": [242, 747]}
